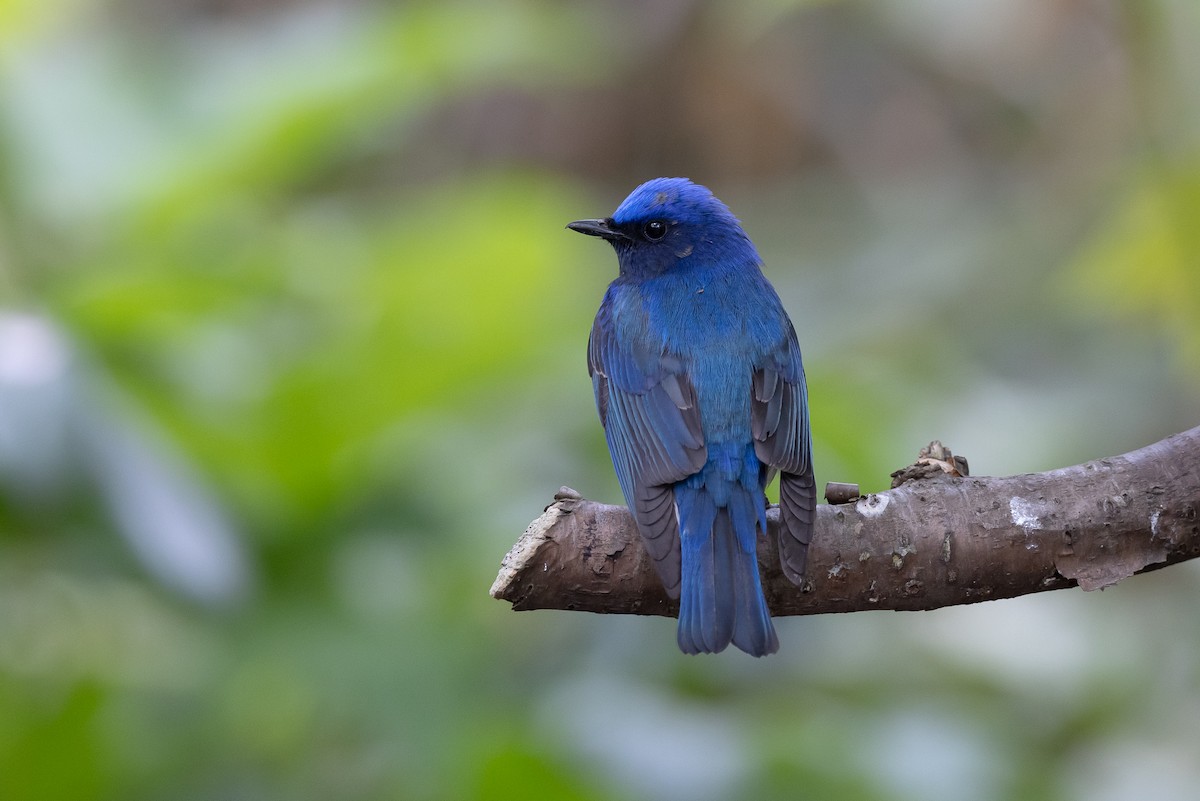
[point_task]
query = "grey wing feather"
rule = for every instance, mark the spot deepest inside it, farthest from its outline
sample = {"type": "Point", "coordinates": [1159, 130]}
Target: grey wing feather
{"type": "Point", "coordinates": [652, 425]}
{"type": "Point", "coordinates": [779, 423]}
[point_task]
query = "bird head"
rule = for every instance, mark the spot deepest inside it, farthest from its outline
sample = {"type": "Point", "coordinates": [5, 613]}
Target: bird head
{"type": "Point", "coordinates": [671, 223]}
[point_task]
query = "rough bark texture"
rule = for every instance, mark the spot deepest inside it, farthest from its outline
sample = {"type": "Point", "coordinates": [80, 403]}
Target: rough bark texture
{"type": "Point", "coordinates": [924, 545]}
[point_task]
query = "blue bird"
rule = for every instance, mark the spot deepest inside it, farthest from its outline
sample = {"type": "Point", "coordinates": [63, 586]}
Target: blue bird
{"type": "Point", "coordinates": [701, 392]}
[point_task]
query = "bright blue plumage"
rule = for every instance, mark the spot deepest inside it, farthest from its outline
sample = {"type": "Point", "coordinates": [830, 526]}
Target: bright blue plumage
{"type": "Point", "coordinates": [700, 388]}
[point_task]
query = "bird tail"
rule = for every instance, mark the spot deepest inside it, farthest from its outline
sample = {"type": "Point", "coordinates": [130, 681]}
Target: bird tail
{"type": "Point", "coordinates": [721, 598]}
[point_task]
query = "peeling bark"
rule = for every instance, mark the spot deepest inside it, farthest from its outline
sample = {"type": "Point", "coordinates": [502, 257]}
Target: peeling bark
{"type": "Point", "coordinates": [927, 544]}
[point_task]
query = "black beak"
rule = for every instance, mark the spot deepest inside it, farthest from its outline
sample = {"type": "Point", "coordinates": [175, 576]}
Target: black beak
{"type": "Point", "coordinates": [601, 228]}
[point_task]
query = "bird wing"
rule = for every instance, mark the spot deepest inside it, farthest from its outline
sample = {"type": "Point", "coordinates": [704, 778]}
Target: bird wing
{"type": "Point", "coordinates": [652, 424]}
{"type": "Point", "coordinates": [779, 423]}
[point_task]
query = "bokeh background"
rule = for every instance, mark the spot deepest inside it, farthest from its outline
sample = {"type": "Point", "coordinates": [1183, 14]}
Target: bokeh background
{"type": "Point", "coordinates": [292, 349]}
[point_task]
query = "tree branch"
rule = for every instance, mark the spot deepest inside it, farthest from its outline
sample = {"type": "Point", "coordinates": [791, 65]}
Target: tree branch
{"type": "Point", "coordinates": [924, 545]}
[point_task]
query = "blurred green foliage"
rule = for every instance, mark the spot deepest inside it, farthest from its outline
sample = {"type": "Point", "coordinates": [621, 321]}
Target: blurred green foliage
{"type": "Point", "coordinates": [1143, 265]}
{"type": "Point", "coordinates": [306, 265]}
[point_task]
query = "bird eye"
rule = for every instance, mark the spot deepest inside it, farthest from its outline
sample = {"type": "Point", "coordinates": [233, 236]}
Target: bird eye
{"type": "Point", "coordinates": [654, 230]}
